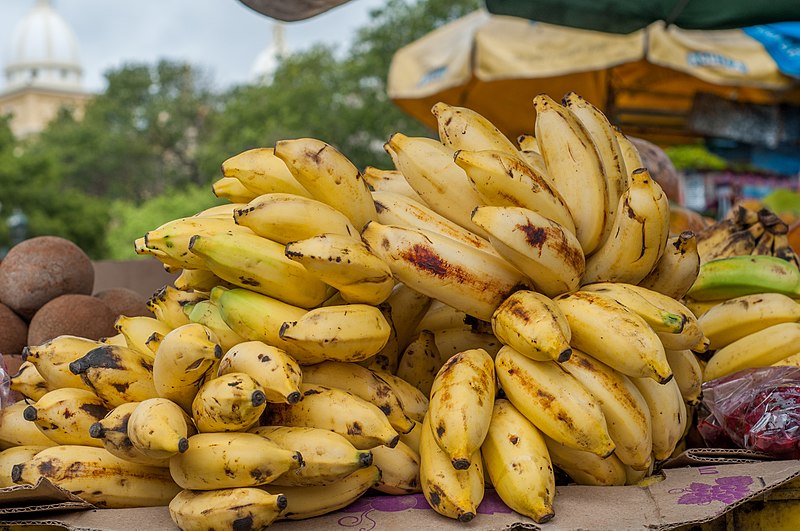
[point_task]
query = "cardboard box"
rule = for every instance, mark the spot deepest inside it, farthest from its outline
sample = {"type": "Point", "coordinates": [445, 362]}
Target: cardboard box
{"type": "Point", "coordinates": [717, 482]}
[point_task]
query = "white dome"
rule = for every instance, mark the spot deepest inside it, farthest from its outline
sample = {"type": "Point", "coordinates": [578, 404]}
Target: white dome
{"type": "Point", "coordinates": [43, 51]}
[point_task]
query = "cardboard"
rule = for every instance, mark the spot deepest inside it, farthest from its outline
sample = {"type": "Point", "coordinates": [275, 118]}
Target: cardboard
{"type": "Point", "coordinates": [685, 495]}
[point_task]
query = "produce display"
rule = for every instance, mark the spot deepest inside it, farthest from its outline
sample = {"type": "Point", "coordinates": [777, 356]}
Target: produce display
{"type": "Point", "coordinates": [478, 316]}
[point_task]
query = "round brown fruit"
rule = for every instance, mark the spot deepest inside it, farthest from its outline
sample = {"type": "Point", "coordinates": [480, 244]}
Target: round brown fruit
{"type": "Point", "coordinates": [13, 332]}
{"type": "Point", "coordinates": [125, 301]}
{"type": "Point", "coordinates": [75, 315]}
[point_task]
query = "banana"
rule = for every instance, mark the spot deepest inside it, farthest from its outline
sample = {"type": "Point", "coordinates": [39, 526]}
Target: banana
{"type": "Point", "coordinates": [391, 181]}
{"type": "Point", "coordinates": [677, 269]}
{"type": "Point", "coordinates": [628, 150]}
{"type": "Point", "coordinates": [451, 341]}
{"type": "Point", "coordinates": [638, 235]}
{"type": "Point", "coordinates": [741, 316]}
{"type": "Point", "coordinates": [223, 509]}
{"type": "Point", "coordinates": [288, 217]}
{"type": "Point", "coordinates": [347, 265]}
{"type": "Point", "coordinates": [527, 142]}
{"type": "Point", "coordinates": [327, 456]}
{"type": "Point", "coordinates": [256, 317]}
{"type": "Point", "coordinates": [586, 468]}
{"type": "Point", "coordinates": [635, 477]}
{"type": "Point", "coordinates": [533, 325]}
{"type": "Point", "coordinates": [347, 332]}
{"type": "Point", "coordinates": [782, 248]}
{"type": "Point", "coordinates": [112, 430]}
{"type": "Point", "coordinates": [414, 402]}
{"type": "Point", "coordinates": [610, 332]}
{"type": "Point", "coordinates": [440, 316]}
{"type": "Point", "coordinates": [170, 265]}
{"type": "Point", "coordinates": [460, 406]}
{"type": "Point", "coordinates": [12, 456]}
{"type": "Point", "coordinates": [252, 262]}
{"type": "Point", "coordinates": [276, 372]}
{"type": "Point", "coordinates": [429, 168]}
{"type": "Point", "coordinates": [625, 410]}
{"type": "Point", "coordinates": [399, 468]}
{"type": "Point", "coordinates": [158, 428]}
{"type": "Point", "coordinates": [535, 160]}
{"type": "Point", "coordinates": [459, 275]}
{"type": "Point", "coordinates": [688, 374]}
{"type": "Point", "coordinates": [15, 430]}
{"type": "Point", "coordinates": [329, 176]}
{"type": "Point", "coordinates": [198, 280]}
{"type": "Point", "coordinates": [116, 339]}
{"type": "Point", "coordinates": [658, 317]}
{"type": "Point", "coordinates": [411, 439]}
{"type": "Point", "coordinates": [454, 493]}
{"type": "Point", "coordinates": [734, 276]}
{"type": "Point", "coordinates": [308, 502]}
{"type": "Point", "coordinates": [117, 374]}
{"type": "Point", "coordinates": [751, 240]}
{"type": "Point", "coordinates": [65, 415]}
{"type": "Point", "coordinates": [792, 360]}
{"type": "Point", "coordinates": [28, 382]}
{"type": "Point", "coordinates": [758, 349]}
{"type": "Point", "coordinates": [208, 314]}
{"type": "Point", "coordinates": [360, 422]}
{"type": "Point", "coordinates": [573, 163]}
{"type": "Point", "coordinates": [138, 329]}
{"type": "Point", "coordinates": [184, 359]}
{"type": "Point", "coordinates": [229, 460]}
{"type": "Point", "coordinates": [261, 172]}
{"type": "Point", "coordinates": [554, 401]}
{"type": "Point", "coordinates": [167, 305]}
{"type": "Point", "coordinates": [225, 210]}
{"type": "Point", "coordinates": [420, 362]}
{"type": "Point", "coordinates": [667, 413]}
{"type": "Point", "coordinates": [408, 307]}
{"type": "Point", "coordinates": [98, 477]}
{"type": "Point", "coordinates": [463, 128]}
{"type": "Point", "coordinates": [395, 209]}
{"type": "Point", "coordinates": [518, 462]}
{"type": "Point", "coordinates": [174, 237]}
{"type": "Point", "coordinates": [363, 383]}
{"type": "Point", "coordinates": [503, 179]}
{"type": "Point", "coordinates": [232, 189]}
{"type": "Point", "coordinates": [605, 140]}
{"type": "Point", "coordinates": [548, 254]}
{"type": "Point", "coordinates": [52, 359]}
{"type": "Point", "coordinates": [231, 402]}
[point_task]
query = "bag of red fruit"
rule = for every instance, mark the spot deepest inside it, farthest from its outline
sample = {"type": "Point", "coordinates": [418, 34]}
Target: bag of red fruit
{"type": "Point", "coordinates": [758, 409]}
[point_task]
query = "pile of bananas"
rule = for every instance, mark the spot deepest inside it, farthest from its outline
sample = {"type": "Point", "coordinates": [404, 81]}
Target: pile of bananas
{"type": "Point", "coordinates": [480, 314]}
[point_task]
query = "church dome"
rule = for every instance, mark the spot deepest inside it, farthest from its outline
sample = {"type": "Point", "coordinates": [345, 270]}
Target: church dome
{"type": "Point", "coordinates": [43, 52]}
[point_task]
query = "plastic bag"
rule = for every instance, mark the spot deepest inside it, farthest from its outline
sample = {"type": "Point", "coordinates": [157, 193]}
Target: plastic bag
{"type": "Point", "coordinates": [757, 409]}
{"type": "Point", "coordinates": [5, 385]}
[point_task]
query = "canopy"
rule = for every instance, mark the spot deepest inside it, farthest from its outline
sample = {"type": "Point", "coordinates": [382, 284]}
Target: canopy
{"type": "Point", "coordinates": [646, 80]}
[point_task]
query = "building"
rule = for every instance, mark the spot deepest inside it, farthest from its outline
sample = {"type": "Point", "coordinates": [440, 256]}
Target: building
{"type": "Point", "coordinates": [42, 71]}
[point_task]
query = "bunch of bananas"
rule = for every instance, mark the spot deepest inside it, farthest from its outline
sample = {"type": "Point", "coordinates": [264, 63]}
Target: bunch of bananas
{"type": "Point", "coordinates": [481, 313]}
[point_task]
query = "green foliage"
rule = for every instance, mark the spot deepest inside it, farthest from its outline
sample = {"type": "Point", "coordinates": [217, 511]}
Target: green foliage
{"type": "Point", "coordinates": [695, 157]}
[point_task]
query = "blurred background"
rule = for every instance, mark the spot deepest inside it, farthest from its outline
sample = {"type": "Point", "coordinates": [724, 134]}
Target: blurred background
{"type": "Point", "coordinates": [115, 117]}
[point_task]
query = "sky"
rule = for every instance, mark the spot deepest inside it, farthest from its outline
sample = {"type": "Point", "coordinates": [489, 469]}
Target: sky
{"type": "Point", "coordinates": [222, 36]}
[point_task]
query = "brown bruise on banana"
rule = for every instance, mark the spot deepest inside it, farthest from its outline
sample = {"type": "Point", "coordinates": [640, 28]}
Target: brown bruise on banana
{"type": "Point", "coordinates": [536, 237]}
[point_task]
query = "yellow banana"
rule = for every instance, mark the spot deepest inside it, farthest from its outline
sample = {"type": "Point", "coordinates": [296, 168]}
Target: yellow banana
{"type": "Point", "coordinates": [65, 415]}
{"type": "Point", "coordinates": [792, 360]}
{"type": "Point", "coordinates": [573, 163]}
{"type": "Point", "coordinates": [454, 493]}
{"type": "Point", "coordinates": [758, 349]}
{"type": "Point", "coordinates": [158, 428]}
{"type": "Point", "coordinates": [451, 341]}
{"type": "Point", "coordinates": [170, 265]}
{"type": "Point", "coordinates": [276, 372]}
{"type": "Point", "coordinates": [231, 402]}
{"type": "Point", "coordinates": [184, 359]}
{"type": "Point", "coordinates": [554, 401]}
{"type": "Point", "coordinates": [329, 176]}
{"type": "Point", "coordinates": [168, 302]}
{"type": "Point", "coordinates": [659, 318]}
{"type": "Point", "coordinates": [52, 359]}
{"type": "Point", "coordinates": [288, 217]}
{"type": "Point", "coordinates": [15, 430]}
{"type": "Point", "coordinates": [360, 422]}
{"type": "Point", "coordinates": [327, 456]}
{"type": "Point", "coordinates": [420, 362]}
{"type": "Point", "coordinates": [229, 460]}
{"type": "Point", "coordinates": [116, 339]}
{"type": "Point", "coordinates": [207, 314]}
{"type": "Point", "coordinates": [138, 329]}
{"type": "Point", "coordinates": [252, 262]}
{"type": "Point", "coordinates": [112, 430]}
{"type": "Point", "coordinates": [677, 269]}
{"type": "Point", "coordinates": [638, 235]}
{"type": "Point", "coordinates": [586, 468]}
{"type": "Point", "coordinates": [440, 316]}
{"type": "Point", "coordinates": [459, 275]}
{"type": "Point", "coordinates": [408, 307]}
{"type": "Point", "coordinates": [399, 468]}
{"type": "Point", "coordinates": [688, 374]}
{"type": "Point", "coordinates": [503, 179]}
{"type": "Point", "coordinates": [518, 463]}
{"type": "Point", "coordinates": [346, 264]}
{"type": "Point", "coordinates": [261, 172]}
{"type": "Point", "coordinates": [308, 502]}
{"type": "Point", "coordinates": [667, 413]}
{"type": "Point", "coordinates": [464, 128]}
{"type": "Point", "coordinates": [225, 210]}
{"type": "Point", "coordinates": [98, 477]}
{"type": "Point", "coordinates": [411, 439]}
{"type": "Point", "coordinates": [223, 509]}
{"type": "Point", "coordinates": [391, 181]}
{"type": "Point", "coordinates": [630, 153]}
{"type": "Point", "coordinates": [198, 279]}
{"type": "Point", "coordinates": [610, 332]}
{"type": "Point", "coordinates": [28, 382]}
{"type": "Point", "coordinates": [232, 189]}
{"type": "Point", "coordinates": [533, 325]}
{"type": "Point", "coordinates": [548, 254]}
{"type": "Point", "coordinates": [414, 402]}
{"type": "Point", "coordinates": [117, 374]}
{"type": "Point", "coordinates": [625, 410]}
{"type": "Point", "coordinates": [12, 456]}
